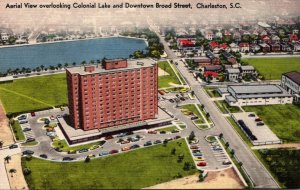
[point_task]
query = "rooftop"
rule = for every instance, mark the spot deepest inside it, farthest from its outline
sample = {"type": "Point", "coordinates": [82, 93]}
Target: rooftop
{"type": "Point", "coordinates": [255, 89]}
{"type": "Point", "coordinates": [132, 64]}
{"type": "Point", "coordinates": [233, 70]}
{"type": "Point", "coordinates": [247, 67]}
{"type": "Point", "coordinates": [294, 76]}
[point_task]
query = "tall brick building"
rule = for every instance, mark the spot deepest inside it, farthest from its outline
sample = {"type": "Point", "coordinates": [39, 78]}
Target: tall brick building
{"type": "Point", "coordinates": [115, 93]}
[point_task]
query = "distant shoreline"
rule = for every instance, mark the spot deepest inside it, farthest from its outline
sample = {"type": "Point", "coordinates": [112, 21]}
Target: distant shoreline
{"type": "Point", "coordinates": [74, 40]}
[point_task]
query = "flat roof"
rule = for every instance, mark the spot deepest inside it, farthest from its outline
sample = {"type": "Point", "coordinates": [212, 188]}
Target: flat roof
{"type": "Point", "coordinates": [233, 70]}
{"type": "Point", "coordinates": [230, 98]}
{"type": "Point", "coordinates": [255, 89]}
{"type": "Point", "coordinates": [132, 64]}
{"type": "Point", "coordinates": [247, 67]}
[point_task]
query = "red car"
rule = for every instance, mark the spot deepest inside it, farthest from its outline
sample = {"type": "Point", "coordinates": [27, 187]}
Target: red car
{"type": "Point", "coordinates": [32, 114]}
{"type": "Point", "coordinates": [201, 164]}
{"type": "Point", "coordinates": [109, 137]}
{"type": "Point", "coordinates": [113, 151]}
{"type": "Point", "coordinates": [194, 147]}
{"type": "Point", "coordinates": [152, 132]}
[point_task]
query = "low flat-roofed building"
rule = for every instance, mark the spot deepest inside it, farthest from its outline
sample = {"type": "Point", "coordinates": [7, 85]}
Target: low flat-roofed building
{"type": "Point", "coordinates": [291, 83]}
{"type": "Point", "coordinates": [253, 95]}
{"type": "Point", "coordinates": [247, 69]}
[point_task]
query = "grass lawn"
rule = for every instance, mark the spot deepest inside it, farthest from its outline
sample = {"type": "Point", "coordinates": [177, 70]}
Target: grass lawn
{"type": "Point", "coordinates": [203, 112]}
{"type": "Point", "coordinates": [182, 126]}
{"type": "Point", "coordinates": [34, 93]}
{"type": "Point", "coordinates": [192, 108]}
{"type": "Point", "coordinates": [202, 126]}
{"type": "Point", "coordinates": [211, 139]}
{"type": "Point", "coordinates": [212, 92]}
{"type": "Point", "coordinates": [178, 73]}
{"type": "Point", "coordinates": [272, 68]}
{"type": "Point", "coordinates": [131, 170]}
{"type": "Point", "coordinates": [198, 121]}
{"type": "Point", "coordinates": [163, 81]}
{"type": "Point", "coordinates": [63, 145]}
{"type": "Point", "coordinates": [30, 143]}
{"type": "Point", "coordinates": [18, 132]}
{"type": "Point", "coordinates": [171, 128]}
{"type": "Point", "coordinates": [283, 120]}
{"type": "Point", "coordinates": [222, 105]}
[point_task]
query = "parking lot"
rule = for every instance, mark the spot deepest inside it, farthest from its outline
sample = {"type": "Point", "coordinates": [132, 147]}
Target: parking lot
{"type": "Point", "coordinates": [262, 133]}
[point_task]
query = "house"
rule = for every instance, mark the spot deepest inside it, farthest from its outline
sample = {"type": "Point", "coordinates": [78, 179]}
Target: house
{"type": "Point", "coordinates": [214, 46]}
{"type": "Point", "coordinates": [227, 33]}
{"type": "Point", "coordinates": [253, 95]}
{"type": "Point", "coordinates": [209, 35]}
{"type": "Point", "coordinates": [245, 33]}
{"type": "Point", "coordinates": [293, 38]}
{"type": "Point", "coordinates": [295, 46]}
{"type": "Point", "coordinates": [295, 31]}
{"type": "Point", "coordinates": [210, 73]}
{"type": "Point", "coordinates": [232, 74]}
{"type": "Point", "coordinates": [214, 59]}
{"type": "Point", "coordinates": [265, 39]}
{"type": "Point", "coordinates": [202, 61]}
{"type": "Point", "coordinates": [254, 47]}
{"type": "Point", "coordinates": [229, 58]}
{"type": "Point", "coordinates": [213, 68]}
{"type": "Point", "coordinates": [275, 47]}
{"type": "Point", "coordinates": [4, 36]}
{"type": "Point", "coordinates": [275, 38]}
{"type": "Point", "coordinates": [219, 34]}
{"type": "Point", "coordinates": [263, 32]}
{"type": "Point", "coordinates": [265, 47]}
{"type": "Point", "coordinates": [244, 47]}
{"type": "Point", "coordinates": [291, 83]}
{"type": "Point", "coordinates": [234, 47]}
{"type": "Point", "coordinates": [248, 69]}
{"type": "Point", "coordinates": [237, 36]}
{"type": "Point", "coordinates": [224, 46]}
{"type": "Point", "coordinates": [285, 47]}
{"type": "Point", "coordinates": [184, 44]}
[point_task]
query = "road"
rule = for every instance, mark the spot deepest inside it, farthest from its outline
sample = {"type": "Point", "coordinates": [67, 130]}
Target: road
{"type": "Point", "coordinates": [259, 174]}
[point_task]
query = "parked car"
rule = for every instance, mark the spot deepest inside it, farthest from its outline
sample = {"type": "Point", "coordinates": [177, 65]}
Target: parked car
{"type": "Point", "coordinates": [32, 114]}
{"type": "Point", "coordinates": [171, 100]}
{"type": "Point", "coordinates": [23, 121]}
{"type": "Point", "coordinates": [125, 142]}
{"type": "Point", "coordinates": [177, 137]}
{"type": "Point", "coordinates": [83, 150]}
{"type": "Point", "coordinates": [30, 139]}
{"type": "Point", "coordinates": [199, 159]}
{"type": "Point", "coordinates": [104, 153]}
{"type": "Point", "coordinates": [44, 156]}
{"type": "Point", "coordinates": [52, 117]}
{"type": "Point", "coordinates": [108, 137]}
{"type": "Point", "coordinates": [13, 146]}
{"type": "Point", "coordinates": [257, 119]}
{"type": "Point", "coordinates": [135, 146]}
{"type": "Point", "coordinates": [162, 132]}
{"type": "Point", "coordinates": [182, 98]}
{"type": "Point", "coordinates": [26, 129]}
{"type": "Point", "coordinates": [58, 116]}
{"type": "Point", "coordinates": [148, 143]}
{"type": "Point", "coordinates": [157, 142]}
{"type": "Point", "coordinates": [28, 152]}
{"type": "Point", "coordinates": [201, 164]}
{"type": "Point", "coordinates": [194, 118]}
{"type": "Point", "coordinates": [113, 151]}
{"type": "Point", "coordinates": [152, 132]}
{"type": "Point", "coordinates": [134, 139]}
{"type": "Point", "coordinates": [217, 148]}
{"type": "Point", "coordinates": [226, 162]}
{"type": "Point", "coordinates": [62, 108]}
{"type": "Point", "coordinates": [194, 147]}
{"type": "Point", "coordinates": [174, 131]}
{"type": "Point", "coordinates": [91, 156]}
{"type": "Point", "coordinates": [67, 158]}
{"type": "Point", "coordinates": [121, 135]}
{"type": "Point", "coordinates": [260, 123]}
{"type": "Point", "coordinates": [197, 154]}
{"type": "Point", "coordinates": [22, 117]}
{"type": "Point", "coordinates": [125, 148]}
{"type": "Point", "coordinates": [251, 115]}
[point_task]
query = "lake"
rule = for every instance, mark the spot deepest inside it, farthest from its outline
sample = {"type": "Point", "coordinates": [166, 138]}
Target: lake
{"type": "Point", "coordinates": [33, 56]}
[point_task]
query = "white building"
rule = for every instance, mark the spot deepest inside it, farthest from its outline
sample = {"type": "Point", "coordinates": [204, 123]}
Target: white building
{"type": "Point", "coordinates": [4, 36]}
{"type": "Point", "coordinates": [248, 69]}
{"type": "Point", "coordinates": [291, 83]}
{"type": "Point", "coordinates": [253, 95]}
{"type": "Point", "coordinates": [232, 74]}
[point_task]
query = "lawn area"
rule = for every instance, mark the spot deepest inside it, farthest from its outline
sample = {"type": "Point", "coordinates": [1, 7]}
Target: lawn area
{"type": "Point", "coordinates": [192, 108]}
{"type": "Point", "coordinates": [18, 132]}
{"type": "Point", "coordinates": [34, 93]}
{"type": "Point", "coordinates": [283, 120]}
{"type": "Point", "coordinates": [222, 105]}
{"type": "Point", "coordinates": [272, 68]}
{"type": "Point", "coordinates": [62, 145]}
{"type": "Point", "coordinates": [30, 143]}
{"type": "Point", "coordinates": [163, 81]}
{"type": "Point", "coordinates": [131, 170]}
{"type": "Point", "coordinates": [170, 128]}
{"type": "Point", "coordinates": [204, 113]}
{"type": "Point", "coordinates": [182, 126]}
{"type": "Point", "coordinates": [284, 165]}
{"type": "Point", "coordinates": [212, 92]}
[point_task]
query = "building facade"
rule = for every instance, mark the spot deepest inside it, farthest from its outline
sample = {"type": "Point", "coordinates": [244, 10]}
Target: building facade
{"type": "Point", "coordinates": [115, 93]}
{"type": "Point", "coordinates": [291, 83]}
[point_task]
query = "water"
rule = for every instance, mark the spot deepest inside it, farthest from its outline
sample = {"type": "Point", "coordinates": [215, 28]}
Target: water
{"type": "Point", "coordinates": [67, 52]}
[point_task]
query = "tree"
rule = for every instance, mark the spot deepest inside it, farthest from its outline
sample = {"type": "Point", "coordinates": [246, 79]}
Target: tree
{"type": "Point", "coordinates": [26, 171]}
{"type": "Point", "coordinates": [59, 66]}
{"type": "Point", "coordinates": [1, 144]}
{"type": "Point", "coordinates": [180, 157]}
{"type": "Point", "coordinates": [83, 62]}
{"type": "Point", "coordinates": [74, 63]}
{"type": "Point", "coordinates": [66, 64]}
{"type": "Point", "coordinates": [207, 114]}
{"type": "Point", "coordinates": [192, 93]}
{"type": "Point", "coordinates": [7, 159]}
{"type": "Point", "coordinates": [200, 177]}
{"type": "Point", "coordinates": [227, 144]}
{"type": "Point", "coordinates": [87, 159]}
{"type": "Point", "coordinates": [42, 67]}
{"type": "Point", "coordinates": [12, 171]}
{"type": "Point", "coordinates": [221, 135]}
{"type": "Point", "coordinates": [173, 151]}
{"type": "Point", "coordinates": [186, 166]}
{"type": "Point", "coordinates": [240, 163]}
{"type": "Point", "coordinates": [232, 152]}
{"type": "Point", "coordinates": [192, 136]}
